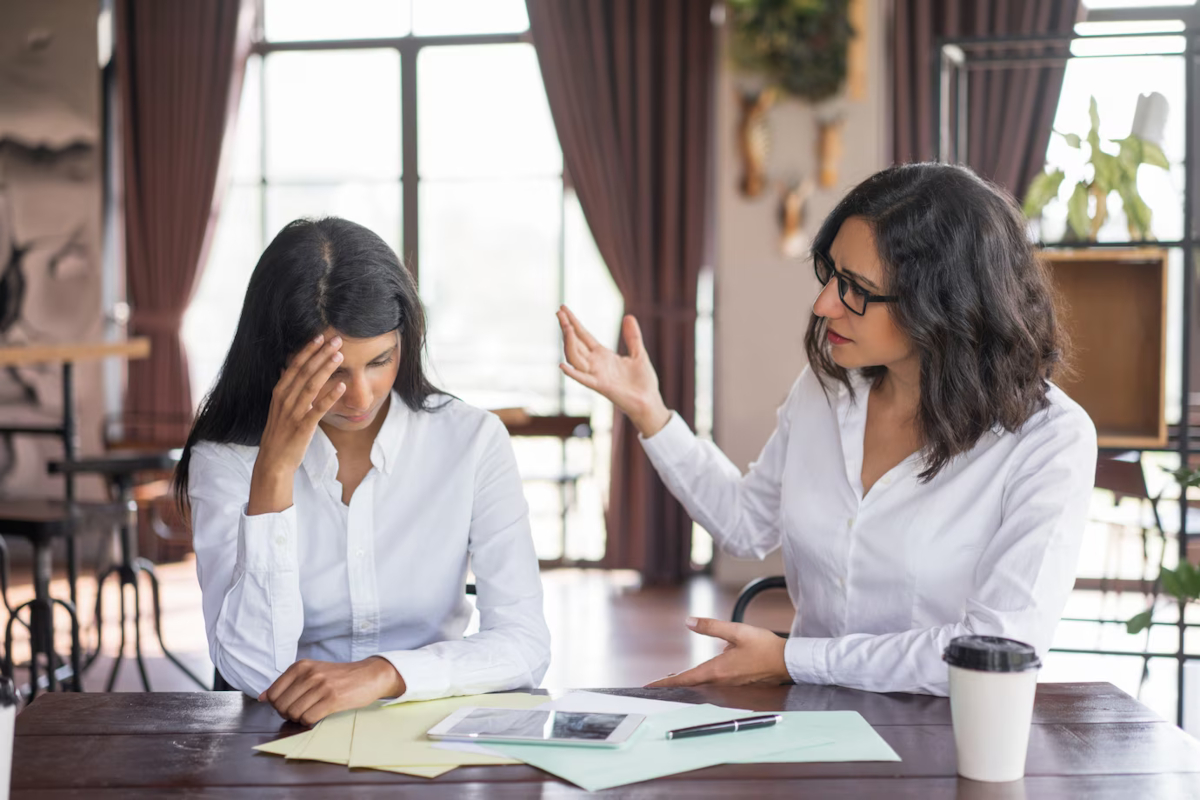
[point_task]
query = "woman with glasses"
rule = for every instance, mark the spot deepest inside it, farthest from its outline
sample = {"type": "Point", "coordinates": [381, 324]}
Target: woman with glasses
{"type": "Point", "coordinates": [925, 479]}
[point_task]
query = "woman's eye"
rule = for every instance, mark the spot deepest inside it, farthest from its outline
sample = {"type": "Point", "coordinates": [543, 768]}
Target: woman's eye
{"type": "Point", "coordinates": [383, 363]}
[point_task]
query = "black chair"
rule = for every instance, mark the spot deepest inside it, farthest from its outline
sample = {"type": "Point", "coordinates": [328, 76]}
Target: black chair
{"type": "Point", "coordinates": [222, 685]}
{"type": "Point", "coordinates": [752, 590]}
{"type": "Point", "coordinates": [119, 471]}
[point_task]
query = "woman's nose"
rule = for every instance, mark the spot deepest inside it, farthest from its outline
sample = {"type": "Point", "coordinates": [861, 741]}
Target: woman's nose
{"type": "Point", "coordinates": [358, 393]}
{"type": "Point", "coordinates": [828, 304]}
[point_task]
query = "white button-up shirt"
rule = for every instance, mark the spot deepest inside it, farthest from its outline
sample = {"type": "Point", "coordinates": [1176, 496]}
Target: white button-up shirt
{"type": "Point", "coordinates": [882, 583]}
{"type": "Point", "coordinates": [385, 575]}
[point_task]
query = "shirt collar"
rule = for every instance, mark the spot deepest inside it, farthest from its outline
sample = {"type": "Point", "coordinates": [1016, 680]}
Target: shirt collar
{"type": "Point", "coordinates": [320, 460]}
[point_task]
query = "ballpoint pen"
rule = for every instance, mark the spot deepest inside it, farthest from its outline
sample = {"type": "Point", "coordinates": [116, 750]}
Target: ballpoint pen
{"type": "Point", "coordinates": [743, 724]}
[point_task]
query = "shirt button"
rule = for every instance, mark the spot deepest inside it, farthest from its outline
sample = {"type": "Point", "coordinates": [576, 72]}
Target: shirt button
{"type": "Point", "coordinates": [841, 582]}
{"type": "Point", "coordinates": [850, 523]}
{"type": "Point", "coordinates": [360, 552]}
{"type": "Point", "coordinates": [364, 625]}
{"type": "Point", "coordinates": [279, 540]}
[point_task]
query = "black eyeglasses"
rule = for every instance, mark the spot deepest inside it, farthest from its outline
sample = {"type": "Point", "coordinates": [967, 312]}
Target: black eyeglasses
{"type": "Point", "coordinates": [853, 296]}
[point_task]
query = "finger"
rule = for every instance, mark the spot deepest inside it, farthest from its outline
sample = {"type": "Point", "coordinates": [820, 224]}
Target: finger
{"type": "Point", "coordinates": [302, 704]}
{"type": "Point", "coordinates": [280, 685]}
{"type": "Point", "coordinates": [583, 332]}
{"type": "Point", "coordinates": [584, 378]}
{"type": "Point", "coordinates": [318, 711]}
{"type": "Point", "coordinates": [632, 332]}
{"type": "Point", "coordinates": [729, 631]}
{"type": "Point", "coordinates": [696, 676]}
{"type": "Point", "coordinates": [286, 703]}
{"type": "Point", "coordinates": [305, 392]}
{"type": "Point", "coordinates": [298, 360]}
{"type": "Point", "coordinates": [324, 402]}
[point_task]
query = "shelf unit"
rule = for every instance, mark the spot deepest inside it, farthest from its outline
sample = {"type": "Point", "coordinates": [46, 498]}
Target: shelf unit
{"type": "Point", "coordinates": [954, 59]}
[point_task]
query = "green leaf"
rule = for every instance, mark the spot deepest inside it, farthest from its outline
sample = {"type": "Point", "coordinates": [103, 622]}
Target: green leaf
{"type": "Point", "coordinates": [1189, 576]}
{"type": "Point", "coordinates": [1140, 622]}
{"type": "Point", "coordinates": [1153, 155]}
{"type": "Point", "coordinates": [1073, 139]}
{"type": "Point", "coordinates": [1184, 476]}
{"type": "Point", "coordinates": [1171, 584]}
{"type": "Point", "coordinates": [1108, 171]}
{"type": "Point", "coordinates": [1042, 190]}
{"type": "Point", "coordinates": [1093, 136]}
{"type": "Point", "coordinates": [1137, 212]}
{"type": "Point", "coordinates": [1077, 211]}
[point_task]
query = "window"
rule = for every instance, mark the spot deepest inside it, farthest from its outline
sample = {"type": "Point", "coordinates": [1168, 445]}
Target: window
{"type": "Point", "coordinates": [477, 200]}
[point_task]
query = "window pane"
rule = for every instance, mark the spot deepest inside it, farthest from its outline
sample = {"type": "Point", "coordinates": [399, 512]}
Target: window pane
{"type": "Point", "coordinates": [333, 114]}
{"type": "Point", "coordinates": [457, 17]}
{"type": "Point", "coordinates": [307, 20]}
{"type": "Point", "coordinates": [247, 147]}
{"type": "Point", "coordinates": [372, 205]}
{"type": "Point", "coordinates": [489, 280]}
{"type": "Point", "coordinates": [482, 112]}
{"type": "Point", "coordinates": [212, 317]}
{"type": "Point", "coordinates": [1116, 84]}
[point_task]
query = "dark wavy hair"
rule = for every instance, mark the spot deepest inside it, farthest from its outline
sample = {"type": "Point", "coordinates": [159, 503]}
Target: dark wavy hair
{"type": "Point", "coordinates": [973, 297]}
{"type": "Point", "coordinates": [315, 274]}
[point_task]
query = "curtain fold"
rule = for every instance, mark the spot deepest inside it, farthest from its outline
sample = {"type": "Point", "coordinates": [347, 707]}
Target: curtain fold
{"type": "Point", "coordinates": [1010, 111]}
{"type": "Point", "coordinates": [630, 88]}
{"type": "Point", "coordinates": [180, 65]}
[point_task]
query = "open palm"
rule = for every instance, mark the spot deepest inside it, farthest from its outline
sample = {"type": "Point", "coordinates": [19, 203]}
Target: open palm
{"type": "Point", "coordinates": [629, 382]}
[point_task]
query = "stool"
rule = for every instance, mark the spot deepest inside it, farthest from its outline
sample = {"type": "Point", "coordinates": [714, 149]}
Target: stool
{"type": "Point", "coordinates": [119, 470]}
{"type": "Point", "coordinates": [41, 522]}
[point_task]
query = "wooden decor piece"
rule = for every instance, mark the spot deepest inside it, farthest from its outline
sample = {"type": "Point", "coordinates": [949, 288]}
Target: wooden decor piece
{"type": "Point", "coordinates": [856, 52]}
{"type": "Point", "coordinates": [1116, 316]}
{"type": "Point", "coordinates": [754, 139]}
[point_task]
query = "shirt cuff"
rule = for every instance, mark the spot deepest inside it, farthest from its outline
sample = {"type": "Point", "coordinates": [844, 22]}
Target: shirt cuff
{"type": "Point", "coordinates": [807, 660]}
{"type": "Point", "coordinates": [672, 444]}
{"type": "Point", "coordinates": [425, 675]}
{"type": "Point", "coordinates": [267, 542]}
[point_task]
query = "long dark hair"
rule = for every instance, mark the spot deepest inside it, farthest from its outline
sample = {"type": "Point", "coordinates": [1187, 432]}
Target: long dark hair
{"type": "Point", "coordinates": [973, 297]}
{"type": "Point", "coordinates": [315, 274]}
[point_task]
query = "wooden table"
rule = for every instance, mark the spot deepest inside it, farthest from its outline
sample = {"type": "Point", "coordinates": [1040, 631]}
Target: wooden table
{"type": "Point", "coordinates": [1088, 740]}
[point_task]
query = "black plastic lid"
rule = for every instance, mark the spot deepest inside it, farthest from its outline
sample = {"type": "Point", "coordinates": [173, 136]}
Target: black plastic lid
{"type": "Point", "coordinates": [8, 693]}
{"type": "Point", "coordinates": [991, 654]}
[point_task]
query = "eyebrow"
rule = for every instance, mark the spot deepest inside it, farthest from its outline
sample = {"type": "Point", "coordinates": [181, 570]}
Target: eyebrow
{"type": "Point", "coordinates": [852, 274]}
{"type": "Point", "coordinates": [383, 355]}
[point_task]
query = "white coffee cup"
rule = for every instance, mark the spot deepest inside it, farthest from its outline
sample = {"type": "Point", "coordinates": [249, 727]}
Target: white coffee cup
{"type": "Point", "coordinates": [8, 718]}
{"type": "Point", "coordinates": [992, 684]}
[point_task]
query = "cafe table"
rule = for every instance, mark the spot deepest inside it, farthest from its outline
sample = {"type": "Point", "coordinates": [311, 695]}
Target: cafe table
{"type": "Point", "coordinates": [1088, 740]}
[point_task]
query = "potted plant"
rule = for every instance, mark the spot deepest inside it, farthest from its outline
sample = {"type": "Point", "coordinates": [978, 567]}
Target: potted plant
{"type": "Point", "coordinates": [1181, 583]}
{"type": "Point", "coordinates": [800, 45]}
{"type": "Point", "coordinates": [1087, 206]}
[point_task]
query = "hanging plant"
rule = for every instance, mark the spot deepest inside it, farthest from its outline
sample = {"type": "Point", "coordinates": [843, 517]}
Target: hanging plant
{"type": "Point", "coordinates": [798, 44]}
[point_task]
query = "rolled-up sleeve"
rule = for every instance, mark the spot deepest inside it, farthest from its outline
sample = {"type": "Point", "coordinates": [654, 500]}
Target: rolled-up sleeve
{"type": "Point", "coordinates": [248, 572]}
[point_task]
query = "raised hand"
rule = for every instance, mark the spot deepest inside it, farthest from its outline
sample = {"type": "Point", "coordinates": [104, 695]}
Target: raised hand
{"type": "Point", "coordinates": [629, 382]}
{"type": "Point", "coordinates": [300, 399]}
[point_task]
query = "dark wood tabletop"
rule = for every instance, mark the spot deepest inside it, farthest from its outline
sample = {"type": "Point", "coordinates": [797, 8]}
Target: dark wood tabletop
{"type": "Point", "coordinates": [1088, 740]}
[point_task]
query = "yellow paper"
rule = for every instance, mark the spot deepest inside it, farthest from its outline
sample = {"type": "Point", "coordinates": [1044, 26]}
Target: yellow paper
{"type": "Point", "coordinates": [330, 740]}
{"type": "Point", "coordinates": [394, 736]}
{"type": "Point", "coordinates": [420, 772]}
{"type": "Point", "coordinates": [286, 746]}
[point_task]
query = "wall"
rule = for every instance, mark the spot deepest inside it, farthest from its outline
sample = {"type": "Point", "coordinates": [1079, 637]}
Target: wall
{"type": "Point", "coordinates": [50, 186]}
{"type": "Point", "coordinates": [763, 300]}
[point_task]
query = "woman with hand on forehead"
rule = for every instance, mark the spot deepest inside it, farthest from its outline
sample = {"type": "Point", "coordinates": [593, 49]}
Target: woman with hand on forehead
{"type": "Point", "coordinates": [337, 497]}
{"type": "Point", "coordinates": [926, 479]}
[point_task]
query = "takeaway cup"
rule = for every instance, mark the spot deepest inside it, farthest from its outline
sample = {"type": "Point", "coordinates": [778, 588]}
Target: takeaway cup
{"type": "Point", "coordinates": [992, 684]}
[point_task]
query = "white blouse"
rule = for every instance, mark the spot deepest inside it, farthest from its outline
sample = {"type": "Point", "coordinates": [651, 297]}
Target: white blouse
{"type": "Point", "coordinates": [882, 583]}
{"type": "Point", "coordinates": [385, 575]}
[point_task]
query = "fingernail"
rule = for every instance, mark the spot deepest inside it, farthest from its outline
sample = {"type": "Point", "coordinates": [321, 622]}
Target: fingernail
{"type": "Point", "coordinates": [336, 341]}
{"type": "Point", "coordinates": [317, 340]}
{"type": "Point", "coordinates": [691, 622]}
{"type": "Point", "coordinates": [337, 357]}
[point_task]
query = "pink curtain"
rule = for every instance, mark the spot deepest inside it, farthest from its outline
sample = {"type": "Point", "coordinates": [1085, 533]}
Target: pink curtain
{"type": "Point", "coordinates": [180, 65]}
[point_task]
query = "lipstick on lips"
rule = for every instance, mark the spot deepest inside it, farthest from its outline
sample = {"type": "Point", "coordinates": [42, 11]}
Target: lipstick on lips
{"type": "Point", "coordinates": [836, 338]}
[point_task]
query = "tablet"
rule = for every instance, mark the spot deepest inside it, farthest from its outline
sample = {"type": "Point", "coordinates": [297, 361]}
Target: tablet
{"type": "Point", "coordinates": [472, 724]}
